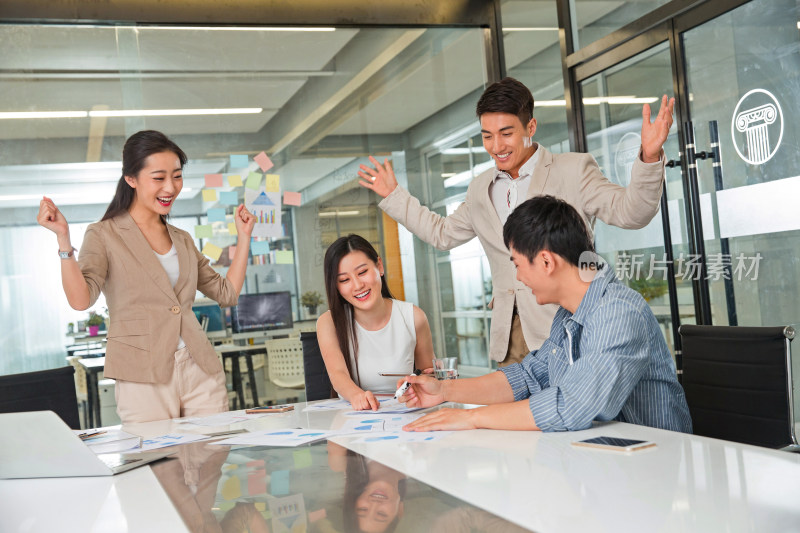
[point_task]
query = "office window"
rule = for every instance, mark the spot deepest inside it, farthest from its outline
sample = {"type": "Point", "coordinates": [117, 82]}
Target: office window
{"type": "Point", "coordinates": [594, 20]}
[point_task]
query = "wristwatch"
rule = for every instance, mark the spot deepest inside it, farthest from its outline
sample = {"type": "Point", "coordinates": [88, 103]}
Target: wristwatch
{"type": "Point", "coordinates": [67, 255]}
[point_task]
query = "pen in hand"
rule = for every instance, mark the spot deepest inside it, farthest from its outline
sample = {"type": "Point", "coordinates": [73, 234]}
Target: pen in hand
{"type": "Point", "coordinates": [404, 387]}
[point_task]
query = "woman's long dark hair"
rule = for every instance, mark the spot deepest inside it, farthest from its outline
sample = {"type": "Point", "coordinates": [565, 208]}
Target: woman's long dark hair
{"type": "Point", "coordinates": [341, 311]}
{"type": "Point", "coordinates": [137, 149]}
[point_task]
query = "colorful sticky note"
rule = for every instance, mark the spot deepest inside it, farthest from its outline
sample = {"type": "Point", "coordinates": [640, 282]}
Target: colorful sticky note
{"type": "Point", "coordinates": [253, 181]}
{"type": "Point", "coordinates": [259, 247]}
{"type": "Point", "coordinates": [209, 195]}
{"type": "Point", "coordinates": [261, 506]}
{"type": "Point", "coordinates": [231, 489]}
{"type": "Point", "coordinates": [216, 214]}
{"type": "Point", "coordinates": [302, 458]}
{"type": "Point", "coordinates": [291, 198]}
{"type": "Point", "coordinates": [231, 252]}
{"type": "Point", "coordinates": [235, 180]}
{"type": "Point", "coordinates": [212, 251]}
{"type": "Point", "coordinates": [203, 232]}
{"type": "Point", "coordinates": [232, 229]}
{"type": "Point", "coordinates": [228, 198]}
{"type": "Point", "coordinates": [279, 483]}
{"type": "Point", "coordinates": [257, 482]}
{"type": "Point", "coordinates": [213, 180]}
{"type": "Point", "coordinates": [284, 257]}
{"type": "Point", "coordinates": [273, 183]}
{"type": "Point", "coordinates": [263, 161]}
{"type": "Point", "coordinates": [239, 161]}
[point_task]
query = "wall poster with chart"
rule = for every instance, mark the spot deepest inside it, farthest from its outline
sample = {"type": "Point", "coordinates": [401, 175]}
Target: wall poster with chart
{"type": "Point", "coordinates": [266, 207]}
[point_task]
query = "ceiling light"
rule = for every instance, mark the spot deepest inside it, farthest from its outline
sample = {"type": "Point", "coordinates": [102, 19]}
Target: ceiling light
{"type": "Point", "coordinates": [340, 213]}
{"type": "Point", "coordinates": [467, 131]}
{"type": "Point", "coordinates": [174, 112]}
{"type": "Point", "coordinates": [43, 114]}
{"type": "Point", "coordinates": [463, 151]}
{"type": "Point", "coordinates": [597, 100]}
{"type": "Point", "coordinates": [448, 174]}
{"type": "Point", "coordinates": [530, 29]}
{"type": "Point", "coordinates": [230, 28]}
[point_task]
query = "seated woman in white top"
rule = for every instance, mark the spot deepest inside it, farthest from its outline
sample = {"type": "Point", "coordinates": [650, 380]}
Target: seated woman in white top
{"type": "Point", "coordinates": [378, 333]}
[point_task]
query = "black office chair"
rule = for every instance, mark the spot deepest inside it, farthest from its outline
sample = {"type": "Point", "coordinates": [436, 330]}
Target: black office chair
{"type": "Point", "coordinates": [738, 383]}
{"type": "Point", "coordinates": [318, 384]}
{"type": "Point", "coordinates": [46, 390]}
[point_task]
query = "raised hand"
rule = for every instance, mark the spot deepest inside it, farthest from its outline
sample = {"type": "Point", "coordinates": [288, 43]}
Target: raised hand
{"type": "Point", "coordinates": [51, 218]}
{"type": "Point", "coordinates": [245, 221]}
{"type": "Point", "coordinates": [654, 134]}
{"type": "Point", "coordinates": [379, 178]}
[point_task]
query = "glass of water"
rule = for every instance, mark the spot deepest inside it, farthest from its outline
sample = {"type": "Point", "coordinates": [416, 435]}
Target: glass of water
{"type": "Point", "coordinates": [445, 367]}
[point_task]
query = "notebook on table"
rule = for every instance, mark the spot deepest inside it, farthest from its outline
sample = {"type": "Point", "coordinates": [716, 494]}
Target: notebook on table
{"type": "Point", "coordinates": [39, 444]}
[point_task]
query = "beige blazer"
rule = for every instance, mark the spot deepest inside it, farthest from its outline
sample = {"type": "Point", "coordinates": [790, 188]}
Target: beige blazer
{"type": "Point", "coordinates": [573, 177]}
{"type": "Point", "coordinates": [147, 315]}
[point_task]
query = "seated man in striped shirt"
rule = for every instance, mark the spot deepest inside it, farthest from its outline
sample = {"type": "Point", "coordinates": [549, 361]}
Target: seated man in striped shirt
{"type": "Point", "coordinates": [605, 359]}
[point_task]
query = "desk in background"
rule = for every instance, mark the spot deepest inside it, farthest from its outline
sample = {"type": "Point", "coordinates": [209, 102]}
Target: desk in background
{"type": "Point", "coordinates": [233, 352]}
{"type": "Point", "coordinates": [93, 366]}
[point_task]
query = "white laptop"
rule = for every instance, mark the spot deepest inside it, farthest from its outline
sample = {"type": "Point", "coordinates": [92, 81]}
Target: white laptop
{"type": "Point", "coordinates": [39, 444]}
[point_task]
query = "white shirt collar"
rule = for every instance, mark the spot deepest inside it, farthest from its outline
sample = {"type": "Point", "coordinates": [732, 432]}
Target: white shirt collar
{"type": "Point", "coordinates": [526, 169]}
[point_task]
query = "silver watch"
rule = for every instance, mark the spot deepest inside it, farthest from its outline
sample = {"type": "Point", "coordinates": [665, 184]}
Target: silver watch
{"type": "Point", "coordinates": [67, 255]}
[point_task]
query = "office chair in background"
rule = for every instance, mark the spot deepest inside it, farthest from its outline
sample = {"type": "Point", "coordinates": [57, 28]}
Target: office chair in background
{"type": "Point", "coordinates": [45, 390]}
{"type": "Point", "coordinates": [318, 384]}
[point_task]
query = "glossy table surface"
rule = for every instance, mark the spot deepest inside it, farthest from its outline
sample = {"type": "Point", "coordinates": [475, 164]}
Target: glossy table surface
{"type": "Point", "coordinates": [466, 480]}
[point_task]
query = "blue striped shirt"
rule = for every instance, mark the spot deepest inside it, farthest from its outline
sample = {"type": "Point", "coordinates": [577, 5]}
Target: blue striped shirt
{"type": "Point", "coordinates": [608, 361]}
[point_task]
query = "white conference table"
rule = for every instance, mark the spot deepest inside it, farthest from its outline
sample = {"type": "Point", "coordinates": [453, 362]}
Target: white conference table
{"type": "Point", "coordinates": [535, 480]}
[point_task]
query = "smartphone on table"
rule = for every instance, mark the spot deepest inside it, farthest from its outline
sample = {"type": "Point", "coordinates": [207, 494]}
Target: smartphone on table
{"type": "Point", "coordinates": [615, 444]}
{"type": "Point", "coordinates": [269, 409]}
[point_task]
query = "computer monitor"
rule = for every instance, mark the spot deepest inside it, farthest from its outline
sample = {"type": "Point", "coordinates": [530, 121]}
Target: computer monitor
{"type": "Point", "coordinates": [216, 318]}
{"type": "Point", "coordinates": [254, 312]}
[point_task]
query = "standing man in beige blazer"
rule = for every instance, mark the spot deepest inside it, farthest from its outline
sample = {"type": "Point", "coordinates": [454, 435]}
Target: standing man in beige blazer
{"type": "Point", "coordinates": [523, 169]}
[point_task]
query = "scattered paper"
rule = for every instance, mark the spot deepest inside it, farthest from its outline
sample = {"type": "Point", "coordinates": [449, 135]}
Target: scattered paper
{"type": "Point", "coordinates": [284, 257]}
{"type": "Point", "coordinates": [209, 195]}
{"type": "Point", "coordinates": [203, 232]}
{"type": "Point", "coordinates": [239, 161]}
{"type": "Point", "coordinates": [292, 198]}
{"type": "Point", "coordinates": [220, 419]}
{"type": "Point", "coordinates": [173, 439]}
{"type": "Point", "coordinates": [235, 180]}
{"type": "Point", "coordinates": [273, 183]}
{"type": "Point", "coordinates": [253, 181]}
{"type": "Point", "coordinates": [212, 251]}
{"type": "Point", "coordinates": [403, 436]}
{"type": "Point", "coordinates": [228, 198]}
{"type": "Point", "coordinates": [388, 406]}
{"type": "Point", "coordinates": [328, 405]}
{"type": "Point", "coordinates": [111, 441]}
{"type": "Point", "coordinates": [259, 247]}
{"type": "Point", "coordinates": [213, 180]}
{"type": "Point", "coordinates": [216, 214]}
{"type": "Point", "coordinates": [263, 161]}
{"type": "Point", "coordinates": [280, 437]}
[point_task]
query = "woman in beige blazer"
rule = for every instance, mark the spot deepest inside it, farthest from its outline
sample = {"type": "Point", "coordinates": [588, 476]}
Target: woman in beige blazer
{"type": "Point", "coordinates": [149, 272]}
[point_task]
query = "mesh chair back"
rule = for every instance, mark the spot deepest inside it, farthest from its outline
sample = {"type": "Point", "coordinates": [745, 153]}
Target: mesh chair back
{"type": "Point", "coordinates": [285, 362]}
{"type": "Point", "coordinates": [738, 383]}
{"type": "Point", "coordinates": [46, 390]}
{"type": "Point", "coordinates": [318, 384]}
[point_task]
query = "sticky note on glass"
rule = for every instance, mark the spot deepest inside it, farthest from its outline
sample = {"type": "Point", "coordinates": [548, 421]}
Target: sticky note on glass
{"type": "Point", "coordinates": [257, 482]}
{"type": "Point", "coordinates": [232, 229]}
{"type": "Point", "coordinates": [228, 198]}
{"type": "Point", "coordinates": [203, 232]}
{"type": "Point", "coordinates": [273, 183]}
{"type": "Point", "coordinates": [284, 257]}
{"type": "Point", "coordinates": [291, 198]}
{"type": "Point", "coordinates": [259, 247]}
{"type": "Point", "coordinates": [231, 489]}
{"type": "Point", "coordinates": [263, 161]}
{"type": "Point", "coordinates": [213, 180]}
{"type": "Point", "coordinates": [253, 181]}
{"type": "Point", "coordinates": [216, 215]}
{"type": "Point", "coordinates": [209, 195]}
{"type": "Point", "coordinates": [231, 252]}
{"type": "Point", "coordinates": [279, 483]}
{"type": "Point", "coordinates": [239, 161]}
{"type": "Point", "coordinates": [260, 507]}
{"type": "Point", "coordinates": [302, 458]}
{"type": "Point", "coordinates": [235, 180]}
{"type": "Point", "coordinates": [212, 251]}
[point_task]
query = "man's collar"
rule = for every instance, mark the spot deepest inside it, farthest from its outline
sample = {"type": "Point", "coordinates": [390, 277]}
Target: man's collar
{"type": "Point", "coordinates": [527, 167]}
{"type": "Point", "coordinates": [597, 288]}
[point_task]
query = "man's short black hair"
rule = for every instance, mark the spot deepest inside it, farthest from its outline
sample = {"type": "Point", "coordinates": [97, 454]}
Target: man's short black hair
{"type": "Point", "coordinates": [547, 223]}
{"type": "Point", "coordinates": [507, 96]}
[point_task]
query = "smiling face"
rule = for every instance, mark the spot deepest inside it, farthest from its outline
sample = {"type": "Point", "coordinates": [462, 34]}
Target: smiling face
{"type": "Point", "coordinates": [378, 505]}
{"type": "Point", "coordinates": [506, 139]}
{"type": "Point", "coordinates": [534, 275]}
{"type": "Point", "coordinates": [158, 183]}
{"type": "Point", "coordinates": [359, 280]}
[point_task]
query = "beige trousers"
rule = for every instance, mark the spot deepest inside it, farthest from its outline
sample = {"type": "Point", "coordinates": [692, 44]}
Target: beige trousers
{"type": "Point", "coordinates": [517, 348]}
{"type": "Point", "coordinates": [189, 392]}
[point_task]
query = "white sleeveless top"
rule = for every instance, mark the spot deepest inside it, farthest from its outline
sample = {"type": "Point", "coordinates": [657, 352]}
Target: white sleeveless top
{"type": "Point", "coordinates": [169, 261]}
{"type": "Point", "coordinates": [389, 349]}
